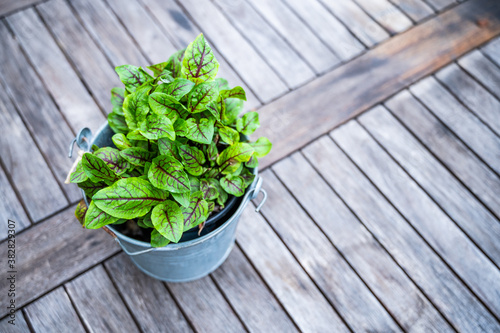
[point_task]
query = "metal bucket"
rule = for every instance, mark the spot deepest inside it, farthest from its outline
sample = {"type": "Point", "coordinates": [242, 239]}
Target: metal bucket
{"type": "Point", "coordinates": [184, 261]}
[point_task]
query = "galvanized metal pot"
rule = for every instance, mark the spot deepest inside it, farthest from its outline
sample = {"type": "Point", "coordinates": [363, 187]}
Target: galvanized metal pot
{"type": "Point", "coordinates": [184, 261]}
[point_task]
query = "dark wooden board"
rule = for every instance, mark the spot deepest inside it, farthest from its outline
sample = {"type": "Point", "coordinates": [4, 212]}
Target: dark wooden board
{"type": "Point", "coordinates": [244, 59]}
{"type": "Point", "coordinates": [426, 217]}
{"type": "Point", "coordinates": [417, 10]}
{"type": "Point", "coordinates": [53, 252]}
{"type": "Point", "coordinates": [386, 14]}
{"type": "Point", "coordinates": [328, 28]}
{"type": "Point", "coordinates": [461, 121]}
{"type": "Point", "coordinates": [492, 50]}
{"type": "Point", "coordinates": [472, 94]}
{"type": "Point", "coordinates": [249, 296]}
{"type": "Point", "coordinates": [70, 35]}
{"type": "Point", "coordinates": [10, 208]}
{"type": "Point", "coordinates": [373, 264]}
{"type": "Point", "coordinates": [19, 325]}
{"type": "Point", "coordinates": [422, 264]}
{"type": "Point", "coordinates": [99, 304]}
{"type": "Point", "coordinates": [389, 67]}
{"type": "Point", "coordinates": [9, 6]}
{"type": "Point", "coordinates": [182, 31]}
{"type": "Point", "coordinates": [294, 289]}
{"type": "Point", "coordinates": [40, 114]}
{"type": "Point", "coordinates": [483, 182]}
{"type": "Point", "coordinates": [338, 282]}
{"type": "Point", "coordinates": [205, 307]}
{"type": "Point", "coordinates": [26, 167]}
{"type": "Point", "coordinates": [439, 5]}
{"type": "Point", "coordinates": [267, 42]}
{"type": "Point", "coordinates": [483, 69]}
{"type": "Point", "coordinates": [297, 34]}
{"type": "Point", "coordinates": [152, 305]}
{"type": "Point", "coordinates": [356, 20]}
{"type": "Point", "coordinates": [54, 311]}
{"type": "Point", "coordinates": [56, 73]}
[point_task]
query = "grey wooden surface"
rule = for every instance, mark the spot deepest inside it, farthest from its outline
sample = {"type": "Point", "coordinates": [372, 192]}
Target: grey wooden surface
{"type": "Point", "coordinates": [388, 223]}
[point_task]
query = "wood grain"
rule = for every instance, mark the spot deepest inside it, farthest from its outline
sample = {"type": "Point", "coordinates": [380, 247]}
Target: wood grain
{"type": "Point", "coordinates": [53, 252]}
{"type": "Point", "coordinates": [182, 31]}
{"type": "Point", "coordinates": [250, 297]}
{"type": "Point", "coordinates": [386, 14]}
{"type": "Point", "coordinates": [56, 73]}
{"type": "Point", "coordinates": [460, 120]}
{"type": "Point", "coordinates": [483, 70]}
{"type": "Point", "coordinates": [152, 305]}
{"type": "Point", "coordinates": [417, 10]}
{"type": "Point", "coordinates": [390, 67]}
{"type": "Point", "coordinates": [205, 307]}
{"type": "Point", "coordinates": [291, 285]}
{"type": "Point", "coordinates": [328, 28]}
{"type": "Point", "coordinates": [267, 42]}
{"type": "Point", "coordinates": [440, 232]}
{"type": "Point", "coordinates": [19, 325]}
{"type": "Point", "coordinates": [40, 114]}
{"type": "Point", "coordinates": [384, 277]}
{"type": "Point", "coordinates": [483, 182]}
{"type": "Point", "coordinates": [439, 5]}
{"type": "Point", "coordinates": [348, 294]}
{"type": "Point", "coordinates": [9, 6]}
{"type": "Point", "coordinates": [492, 50]}
{"type": "Point", "coordinates": [443, 288]}
{"type": "Point", "coordinates": [10, 208]}
{"type": "Point", "coordinates": [70, 35]}
{"type": "Point", "coordinates": [53, 312]}
{"type": "Point", "coordinates": [99, 304]}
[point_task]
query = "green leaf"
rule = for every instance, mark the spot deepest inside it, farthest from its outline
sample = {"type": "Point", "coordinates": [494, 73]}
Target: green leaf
{"type": "Point", "coordinates": [90, 188]}
{"type": "Point", "coordinates": [262, 146]}
{"type": "Point", "coordinates": [113, 159]}
{"type": "Point", "coordinates": [163, 104]}
{"type": "Point", "coordinates": [97, 218]}
{"type": "Point", "coordinates": [212, 151]}
{"type": "Point", "coordinates": [222, 197]}
{"type": "Point", "coordinates": [117, 123]}
{"type": "Point", "coordinates": [121, 141]}
{"type": "Point", "coordinates": [236, 92]}
{"type": "Point", "coordinates": [211, 207]}
{"type": "Point", "coordinates": [78, 175]}
{"type": "Point", "coordinates": [232, 109]}
{"type": "Point", "coordinates": [234, 185]}
{"type": "Point", "coordinates": [195, 184]}
{"type": "Point", "coordinates": [157, 69]}
{"type": "Point", "coordinates": [136, 135]}
{"type": "Point", "coordinates": [174, 63]}
{"type": "Point", "coordinates": [129, 198]}
{"type": "Point", "coordinates": [196, 213]}
{"type": "Point", "coordinates": [132, 77]}
{"type": "Point", "coordinates": [201, 95]}
{"type": "Point", "coordinates": [157, 240]}
{"type": "Point", "coordinates": [80, 211]}
{"type": "Point", "coordinates": [182, 198]}
{"type": "Point", "coordinates": [193, 159]}
{"type": "Point", "coordinates": [96, 169]}
{"type": "Point", "coordinates": [146, 220]}
{"type": "Point", "coordinates": [248, 123]}
{"type": "Point", "coordinates": [156, 127]}
{"type": "Point", "coordinates": [199, 64]}
{"type": "Point", "coordinates": [229, 135]}
{"type": "Point", "coordinates": [215, 108]}
{"type": "Point", "coordinates": [209, 188]}
{"type": "Point", "coordinates": [167, 173]}
{"type": "Point", "coordinates": [181, 128]}
{"type": "Point", "coordinates": [253, 162]}
{"type": "Point", "coordinates": [167, 147]}
{"type": "Point", "coordinates": [117, 98]}
{"type": "Point", "coordinates": [178, 88]}
{"type": "Point", "coordinates": [247, 176]}
{"type": "Point", "coordinates": [137, 156]}
{"type": "Point", "coordinates": [222, 83]}
{"type": "Point", "coordinates": [136, 107]}
{"type": "Point", "coordinates": [239, 152]}
{"type": "Point", "coordinates": [168, 220]}
{"type": "Point", "coordinates": [201, 130]}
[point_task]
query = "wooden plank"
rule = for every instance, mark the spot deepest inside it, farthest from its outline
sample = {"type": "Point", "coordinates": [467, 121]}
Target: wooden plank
{"type": "Point", "coordinates": [99, 304]}
{"type": "Point", "coordinates": [460, 120]}
{"type": "Point", "coordinates": [183, 31]}
{"type": "Point", "coordinates": [77, 44]}
{"type": "Point", "coordinates": [10, 208]}
{"type": "Point", "coordinates": [205, 307]}
{"type": "Point", "coordinates": [53, 252]}
{"type": "Point", "coordinates": [387, 15]}
{"type": "Point", "coordinates": [439, 5]}
{"type": "Point", "coordinates": [267, 42]}
{"type": "Point", "coordinates": [56, 73]}
{"type": "Point", "coordinates": [338, 282]}
{"type": "Point", "coordinates": [236, 50]}
{"type": "Point", "coordinates": [417, 10]}
{"type": "Point", "coordinates": [342, 42]}
{"type": "Point", "coordinates": [472, 94]}
{"type": "Point", "coordinates": [481, 68]}
{"type": "Point", "coordinates": [406, 303]}
{"type": "Point", "coordinates": [44, 121]}
{"type": "Point", "coordinates": [492, 50]}
{"type": "Point", "coordinates": [374, 76]}
{"type": "Point", "coordinates": [249, 296]}
{"type": "Point", "coordinates": [288, 281]}
{"type": "Point", "coordinates": [297, 34]}
{"type": "Point", "coordinates": [148, 297]}
{"type": "Point", "coordinates": [440, 232]}
{"type": "Point", "coordinates": [27, 169]}
{"type": "Point", "coordinates": [9, 6]}
{"type": "Point", "coordinates": [54, 310]}
{"type": "Point", "coordinates": [18, 325]}
{"type": "Point", "coordinates": [443, 288]}
{"type": "Point", "coordinates": [483, 182]}
{"type": "Point", "coordinates": [356, 20]}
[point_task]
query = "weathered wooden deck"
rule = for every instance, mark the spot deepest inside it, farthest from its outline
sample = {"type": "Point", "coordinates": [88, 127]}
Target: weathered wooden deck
{"type": "Point", "coordinates": [384, 181]}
